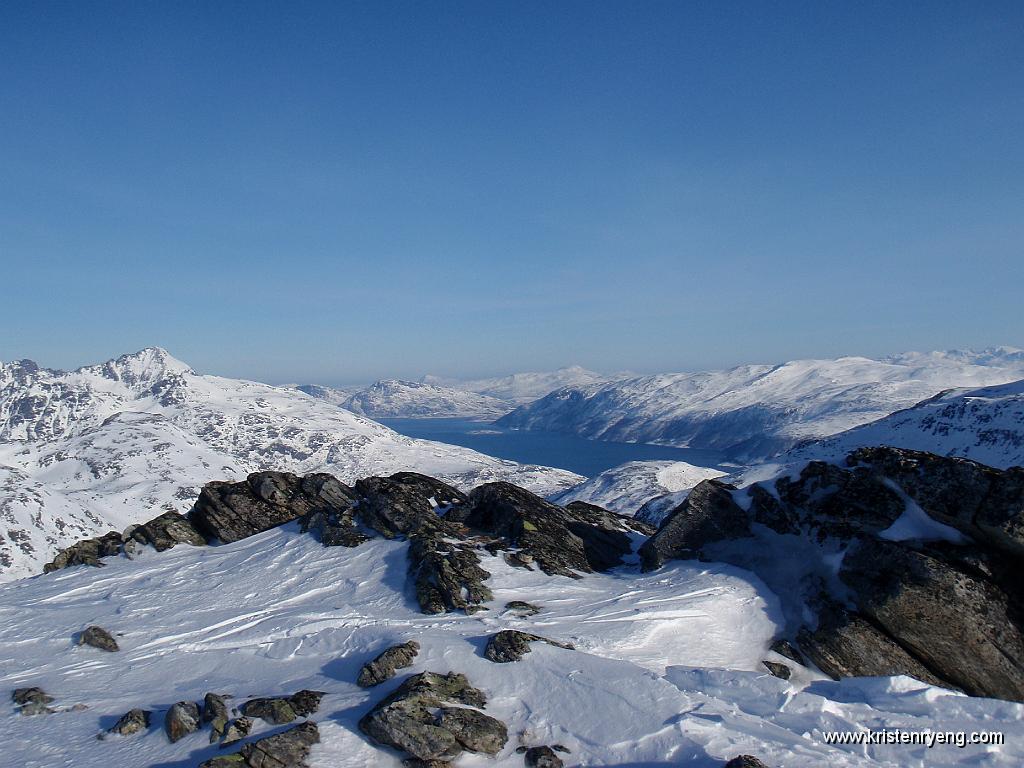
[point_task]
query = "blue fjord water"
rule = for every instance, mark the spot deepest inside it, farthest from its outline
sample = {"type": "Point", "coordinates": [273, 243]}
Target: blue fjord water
{"type": "Point", "coordinates": [553, 449]}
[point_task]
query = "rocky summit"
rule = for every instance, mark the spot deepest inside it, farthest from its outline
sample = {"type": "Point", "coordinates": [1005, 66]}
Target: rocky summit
{"type": "Point", "coordinates": [296, 621]}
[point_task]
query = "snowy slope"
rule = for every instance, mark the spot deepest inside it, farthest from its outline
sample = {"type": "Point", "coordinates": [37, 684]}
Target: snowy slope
{"type": "Point", "coordinates": [986, 425]}
{"type": "Point", "coordinates": [391, 398]}
{"type": "Point", "coordinates": [334, 395]}
{"type": "Point", "coordinates": [86, 451]}
{"type": "Point", "coordinates": [756, 410]}
{"type": "Point", "coordinates": [522, 387]}
{"type": "Point", "coordinates": [666, 671]}
{"type": "Point", "coordinates": [627, 487]}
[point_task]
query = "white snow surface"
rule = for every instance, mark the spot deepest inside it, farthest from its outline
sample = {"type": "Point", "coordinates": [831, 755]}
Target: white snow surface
{"type": "Point", "coordinates": [986, 425]}
{"type": "Point", "coordinates": [627, 487]}
{"type": "Point", "coordinates": [523, 387]}
{"type": "Point", "coordinates": [392, 398]}
{"type": "Point", "coordinates": [754, 411]}
{"type": "Point", "coordinates": [667, 668]}
{"type": "Point", "coordinates": [98, 448]}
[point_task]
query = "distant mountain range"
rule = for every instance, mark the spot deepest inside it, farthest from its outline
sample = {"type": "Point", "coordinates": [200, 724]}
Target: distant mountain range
{"type": "Point", "coordinates": [86, 451]}
{"type": "Point", "coordinates": [521, 388]}
{"type": "Point", "coordinates": [754, 411]}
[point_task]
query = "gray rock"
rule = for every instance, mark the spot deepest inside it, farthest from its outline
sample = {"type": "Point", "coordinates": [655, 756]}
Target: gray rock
{"type": "Point", "coordinates": [237, 730]}
{"type": "Point", "coordinates": [779, 670]}
{"type": "Point", "coordinates": [131, 722]}
{"type": "Point", "coordinates": [283, 709]}
{"type": "Point", "coordinates": [412, 718]}
{"type": "Point", "coordinates": [709, 514]}
{"type": "Point", "coordinates": [181, 720]}
{"type": "Point", "coordinates": [232, 511]}
{"type": "Point", "coordinates": [958, 625]}
{"type": "Point", "coordinates": [447, 575]}
{"type": "Point", "coordinates": [98, 637]}
{"type": "Point", "coordinates": [215, 712]}
{"type": "Point", "coordinates": [166, 531]}
{"type": "Point", "coordinates": [474, 730]}
{"type": "Point", "coordinates": [32, 701]}
{"type": "Point", "coordinates": [384, 666]}
{"type": "Point", "coordinates": [785, 648]}
{"type": "Point", "coordinates": [288, 749]}
{"type": "Point", "coordinates": [542, 757]}
{"type": "Point", "coordinates": [511, 645]}
{"type": "Point", "coordinates": [522, 608]}
{"type": "Point", "coordinates": [86, 552]}
{"type": "Point", "coordinates": [400, 504]}
{"type": "Point", "coordinates": [745, 761]}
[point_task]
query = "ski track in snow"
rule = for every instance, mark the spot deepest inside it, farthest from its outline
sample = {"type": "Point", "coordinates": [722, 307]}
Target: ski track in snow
{"type": "Point", "coordinates": [667, 667]}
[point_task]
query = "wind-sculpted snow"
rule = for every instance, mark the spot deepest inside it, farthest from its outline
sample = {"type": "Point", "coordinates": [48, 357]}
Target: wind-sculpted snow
{"type": "Point", "coordinates": [666, 667]}
{"type": "Point", "coordinates": [409, 399]}
{"type": "Point", "coordinates": [95, 449]}
{"type": "Point", "coordinates": [986, 425]}
{"type": "Point", "coordinates": [756, 411]}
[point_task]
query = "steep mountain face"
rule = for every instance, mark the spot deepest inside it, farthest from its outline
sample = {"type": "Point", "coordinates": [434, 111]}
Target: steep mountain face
{"type": "Point", "coordinates": [522, 387]}
{"type": "Point", "coordinates": [107, 445]}
{"type": "Point", "coordinates": [755, 411]}
{"type": "Point", "coordinates": [392, 398]}
{"type": "Point", "coordinates": [985, 424]}
{"type": "Point", "coordinates": [400, 618]}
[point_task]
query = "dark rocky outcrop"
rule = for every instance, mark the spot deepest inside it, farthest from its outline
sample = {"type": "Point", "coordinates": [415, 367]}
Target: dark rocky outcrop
{"type": "Point", "coordinates": [447, 575]}
{"type": "Point", "coordinates": [131, 722]}
{"type": "Point", "coordinates": [778, 670]}
{"type": "Point", "coordinates": [32, 701]}
{"type": "Point", "coordinates": [215, 712]}
{"type": "Point", "coordinates": [283, 709]}
{"type": "Point", "coordinates": [236, 730]}
{"type": "Point", "coordinates": [522, 608]}
{"type": "Point", "coordinates": [166, 531]}
{"type": "Point", "coordinates": [542, 757]}
{"type": "Point", "coordinates": [560, 541]}
{"type": "Point", "coordinates": [400, 504]}
{"type": "Point", "coordinates": [333, 527]}
{"type": "Point", "coordinates": [745, 761]}
{"type": "Point", "coordinates": [385, 665]}
{"type": "Point", "coordinates": [98, 637]}
{"type": "Point", "coordinates": [86, 552]}
{"type": "Point", "coordinates": [709, 514]}
{"type": "Point", "coordinates": [511, 645]}
{"type": "Point", "coordinates": [785, 648]}
{"type": "Point", "coordinates": [288, 749]}
{"type": "Point", "coordinates": [229, 512]}
{"type": "Point", "coordinates": [420, 718]}
{"type": "Point", "coordinates": [181, 720]}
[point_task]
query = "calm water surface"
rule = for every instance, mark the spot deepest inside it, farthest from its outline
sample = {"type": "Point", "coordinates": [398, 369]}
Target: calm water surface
{"type": "Point", "coordinates": [586, 457]}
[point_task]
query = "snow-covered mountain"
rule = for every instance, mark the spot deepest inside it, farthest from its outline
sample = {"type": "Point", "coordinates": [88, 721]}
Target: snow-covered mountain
{"type": "Point", "coordinates": [985, 424]}
{"type": "Point", "coordinates": [522, 387]}
{"type": "Point", "coordinates": [391, 398]}
{"type": "Point", "coordinates": [754, 411]}
{"type": "Point", "coordinates": [628, 487]}
{"type": "Point", "coordinates": [86, 451]}
{"type": "Point", "coordinates": [334, 395]}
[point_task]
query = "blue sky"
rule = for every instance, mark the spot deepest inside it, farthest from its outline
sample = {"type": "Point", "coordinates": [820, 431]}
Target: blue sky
{"type": "Point", "coordinates": [341, 191]}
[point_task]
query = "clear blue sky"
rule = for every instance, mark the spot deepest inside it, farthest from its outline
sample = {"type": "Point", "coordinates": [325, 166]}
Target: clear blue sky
{"type": "Point", "coordinates": [339, 191]}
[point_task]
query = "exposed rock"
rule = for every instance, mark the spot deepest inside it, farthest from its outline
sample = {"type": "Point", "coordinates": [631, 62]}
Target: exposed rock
{"type": "Point", "coordinates": [542, 757]}
{"type": "Point", "coordinates": [779, 670]}
{"type": "Point", "coordinates": [306, 702]}
{"type": "Point", "coordinates": [215, 712]}
{"type": "Point", "coordinates": [560, 541]}
{"type": "Point", "coordinates": [166, 531]}
{"type": "Point", "coordinates": [283, 709]}
{"type": "Point", "coordinates": [237, 730]}
{"type": "Point", "coordinates": [957, 625]}
{"type": "Point", "coordinates": [384, 666]}
{"type": "Point", "coordinates": [131, 722]}
{"type": "Point", "coordinates": [447, 575]}
{"type": "Point", "coordinates": [511, 645]}
{"type": "Point", "coordinates": [845, 645]}
{"type": "Point", "coordinates": [32, 701]}
{"type": "Point", "coordinates": [98, 637]}
{"type": "Point", "coordinates": [605, 518]}
{"type": "Point", "coordinates": [334, 528]}
{"type": "Point", "coordinates": [288, 749]}
{"type": "Point", "coordinates": [709, 514]}
{"type": "Point", "coordinates": [745, 761]}
{"type": "Point", "coordinates": [522, 608]}
{"type": "Point", "coordinates": [232, 511]}
{"type": "Point", "coordinates": [86, 552]}
{"type": "Point", "coordinates": [412, 719]}
{"type": "Point", "coordinates": [785, 648]}
{"type": "Point", "coordinates": [181, 720]}
{"type": "Point", "coordinates": [400, 504]}
{"type": "Point", "coordinates": [415, 762]}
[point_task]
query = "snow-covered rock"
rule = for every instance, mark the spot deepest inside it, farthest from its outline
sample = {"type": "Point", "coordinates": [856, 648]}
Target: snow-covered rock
{"type": "Point", "coordinates": [391, 398]}
{"type": "Point", "coordinates": [985, 424]}
{"type": "Point", "coordinates": [521, 387]}
{"type": "Point", "coordinates": [628, 487]}
{"type": "Point", "coordinates": [86, 451]}
{"type": "Point", "coordinates": [754, 411]}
